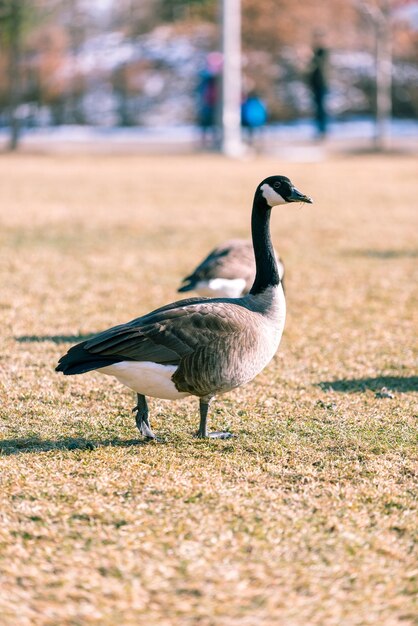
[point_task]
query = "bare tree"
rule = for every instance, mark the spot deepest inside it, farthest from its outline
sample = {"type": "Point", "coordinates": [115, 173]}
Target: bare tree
{"type": "Point", "coordinates": [11, 24]}
{"type": "Point", "coordinates": [380, 17]}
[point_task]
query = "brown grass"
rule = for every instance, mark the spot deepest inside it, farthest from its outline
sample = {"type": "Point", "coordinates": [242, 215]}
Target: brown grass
{"type": "Point", "coordinates": [308, 516]}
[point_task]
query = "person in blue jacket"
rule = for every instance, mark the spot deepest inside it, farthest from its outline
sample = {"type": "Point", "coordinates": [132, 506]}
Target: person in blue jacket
{"type": "Point", "coordinates": [253, 115]}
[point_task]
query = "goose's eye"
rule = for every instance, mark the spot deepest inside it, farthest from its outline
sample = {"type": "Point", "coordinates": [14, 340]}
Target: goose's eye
{"type": "Point", "coordinates": [277, 185]}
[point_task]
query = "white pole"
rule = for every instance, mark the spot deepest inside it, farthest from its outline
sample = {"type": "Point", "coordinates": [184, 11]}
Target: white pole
{"type": "Point", "coordinates": [231, 78]}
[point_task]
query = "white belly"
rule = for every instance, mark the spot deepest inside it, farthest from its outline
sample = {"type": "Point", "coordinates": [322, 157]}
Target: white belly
{"type": "Point", "coordinates": [146, 378]}
{"type": "Point", "coordinates": [221, 287]}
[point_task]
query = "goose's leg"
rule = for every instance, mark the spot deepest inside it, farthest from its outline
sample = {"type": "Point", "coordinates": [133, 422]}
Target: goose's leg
{"type": "Point", "coordinates": [141, 417]}
{"type": "Point", "coordinates": [202, 433]}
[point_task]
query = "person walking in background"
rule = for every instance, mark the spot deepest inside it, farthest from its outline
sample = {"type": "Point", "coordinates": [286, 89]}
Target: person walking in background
{"type": "Point", "coordinates": [318, 82]}
{"type": "Point", "coordinates": [253, 116]}
{"type": "Point", "coordinates": [208, 96]}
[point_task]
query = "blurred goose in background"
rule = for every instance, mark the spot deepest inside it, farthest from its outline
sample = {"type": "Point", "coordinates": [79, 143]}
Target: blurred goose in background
{"type": "Point", "coordinates": [200, 347]}
{"type": "Point", "coordinates": [228, 271]}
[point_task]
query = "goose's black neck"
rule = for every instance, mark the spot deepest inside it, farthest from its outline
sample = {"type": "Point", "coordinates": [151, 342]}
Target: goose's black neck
{"type": "Point", "coordinates": [267, 274]}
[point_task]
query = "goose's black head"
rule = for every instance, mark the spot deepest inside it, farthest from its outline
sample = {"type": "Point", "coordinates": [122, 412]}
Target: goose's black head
{"type": "Point", "coordinates": [276, 190]}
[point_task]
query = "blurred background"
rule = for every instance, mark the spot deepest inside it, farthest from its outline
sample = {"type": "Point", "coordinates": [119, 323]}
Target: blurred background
{"type": "Point", "coordinates": [180, 73]}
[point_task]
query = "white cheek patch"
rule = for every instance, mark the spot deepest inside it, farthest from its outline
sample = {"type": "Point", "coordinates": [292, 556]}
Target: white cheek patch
{"type": "Point", "coordinates": [273, 198]}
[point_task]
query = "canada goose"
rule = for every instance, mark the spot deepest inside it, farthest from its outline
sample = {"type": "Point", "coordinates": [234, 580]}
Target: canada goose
{"type": "Point", "coordinates": [228, 271]}
{"type": "Point", "coordinates": [199, 346]}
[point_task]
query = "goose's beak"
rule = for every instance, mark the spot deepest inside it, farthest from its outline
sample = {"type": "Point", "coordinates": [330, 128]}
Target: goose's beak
{"type": "Point", "coordinates": [296, 196]}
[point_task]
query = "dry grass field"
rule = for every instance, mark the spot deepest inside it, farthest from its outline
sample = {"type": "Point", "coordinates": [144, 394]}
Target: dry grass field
{"type": "Point", "coordinates": [308, 516]}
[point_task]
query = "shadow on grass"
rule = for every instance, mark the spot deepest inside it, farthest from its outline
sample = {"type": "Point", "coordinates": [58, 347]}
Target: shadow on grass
{"type": "Point", "coordinates": [54, 338]}
{"type": "Point", "coordinates": [36, 445]}
{"type": "Point", "coordinates": [382, 254]}
{"type": "Point", "coordinates": [352, 385]}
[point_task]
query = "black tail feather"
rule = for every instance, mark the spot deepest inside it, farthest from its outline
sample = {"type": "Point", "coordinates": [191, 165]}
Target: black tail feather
{"type": "Point", "coordinates": [187, 287]}
{"type": "Point", "coordinates": [78, 361]}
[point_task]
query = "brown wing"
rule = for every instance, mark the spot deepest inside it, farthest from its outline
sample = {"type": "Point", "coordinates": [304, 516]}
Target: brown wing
{"type": "Point", "coordinates": [169, 334]}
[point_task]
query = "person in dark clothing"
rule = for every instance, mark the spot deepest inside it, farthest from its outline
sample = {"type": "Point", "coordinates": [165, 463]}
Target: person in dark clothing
{"type": "Point", "coordinates": [208, 100]}
{"type": "Point", "coordinates": [208, 96]}
{"type": "Point", "coordinates": [318, 82]}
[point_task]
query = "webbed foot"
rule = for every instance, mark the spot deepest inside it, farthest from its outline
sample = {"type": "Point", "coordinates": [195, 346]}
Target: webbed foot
{"type": "Point", "coordinates": [215, 435]}
{"type": "Point", "coordinates": [218, 434]}
{"type": "Point", "coordinates": [141, 418]}
{"type": "Point", "coordinates": [202, 433]}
